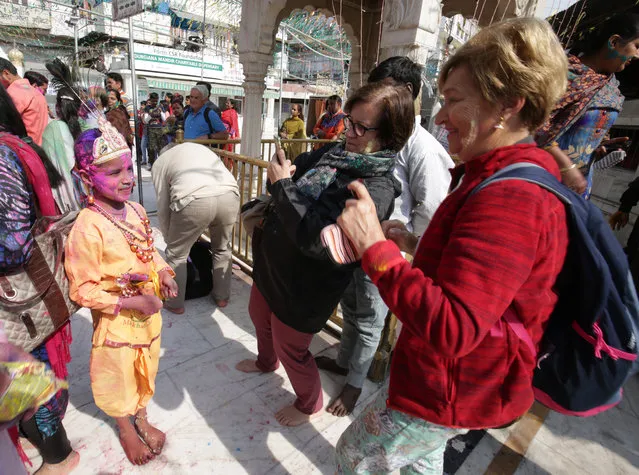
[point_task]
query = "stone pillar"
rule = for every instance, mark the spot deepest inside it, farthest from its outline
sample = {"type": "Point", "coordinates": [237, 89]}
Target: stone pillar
{"type": "Point", "coordinates": [255, 45]}
{"type": "Point", "coordinates": [411, 28]}
{"type": "Point", "coordinates": [255, 66]}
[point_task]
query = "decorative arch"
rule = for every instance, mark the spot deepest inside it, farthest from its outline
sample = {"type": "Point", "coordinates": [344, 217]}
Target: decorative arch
{"type": "Point", "coordinates": [349, 30]}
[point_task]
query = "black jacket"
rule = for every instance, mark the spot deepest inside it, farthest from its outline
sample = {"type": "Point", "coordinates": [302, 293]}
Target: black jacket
{"type": "Point", "coordinates": [630, 197]}
{"type": "Point", "coordinates": [291, 268]}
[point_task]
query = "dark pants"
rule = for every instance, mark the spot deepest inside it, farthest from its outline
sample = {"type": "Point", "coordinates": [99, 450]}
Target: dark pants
{"type": "Point", "coordinates": [54, 448]}
{"type": "Point", "coordinates": [45, 430]}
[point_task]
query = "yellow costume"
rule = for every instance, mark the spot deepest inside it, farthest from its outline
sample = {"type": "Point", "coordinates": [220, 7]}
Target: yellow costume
{"type": "Point", "coordinates": [295, 129]}
{"type": "Point", "coordinates": [126, 346]}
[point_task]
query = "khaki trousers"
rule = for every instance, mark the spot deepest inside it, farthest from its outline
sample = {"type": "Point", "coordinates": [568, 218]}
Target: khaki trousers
{"type": "Point", "coordinates": [217, 214]}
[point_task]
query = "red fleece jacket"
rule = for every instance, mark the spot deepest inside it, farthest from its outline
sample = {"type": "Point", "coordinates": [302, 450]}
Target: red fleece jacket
{"type": "Point", "coordinates": [503, 247]}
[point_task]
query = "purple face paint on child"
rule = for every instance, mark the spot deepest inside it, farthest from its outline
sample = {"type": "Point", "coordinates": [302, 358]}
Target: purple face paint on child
{"type": "Point", "coordinates": [114, 179]}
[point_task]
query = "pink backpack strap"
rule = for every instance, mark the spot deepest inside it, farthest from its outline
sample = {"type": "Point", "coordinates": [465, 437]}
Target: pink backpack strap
{"type": "Point", "coordinates": [515, 324]}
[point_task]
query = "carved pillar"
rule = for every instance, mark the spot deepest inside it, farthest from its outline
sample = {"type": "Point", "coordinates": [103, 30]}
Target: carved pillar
{"type": "Point", "coordinates": [255, 66]}
{"type": "Point", "coordinates": [410, 28]}
{"type": "Point", "coordinates": [256, 40]}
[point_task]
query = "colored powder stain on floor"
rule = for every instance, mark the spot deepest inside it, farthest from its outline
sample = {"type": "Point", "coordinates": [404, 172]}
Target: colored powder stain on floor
{"type": "Point", "coordinates": [222, 367]}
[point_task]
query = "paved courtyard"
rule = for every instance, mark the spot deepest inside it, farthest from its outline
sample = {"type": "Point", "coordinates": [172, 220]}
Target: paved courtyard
{"type": "Point", "coordinates": [221, 421]}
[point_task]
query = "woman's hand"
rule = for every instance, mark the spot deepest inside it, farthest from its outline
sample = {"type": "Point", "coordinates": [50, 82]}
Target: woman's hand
{"type": "Point", "coordinates": [396, 231]}
{"type": "Point", "coordinates": [168, 286]}
{"type": "Point", "coordinates": [145, 304]}
{"type": "Point", "coordinates": [574, 180]}
{"type": "Point", "coordinates": [279, 168]}
{"type": "Point", "coordinates": [359, 219]}
{"type": "Point", "coordinates": [618, 220]}
{"type": "Point", "coordinates": [610, 145]}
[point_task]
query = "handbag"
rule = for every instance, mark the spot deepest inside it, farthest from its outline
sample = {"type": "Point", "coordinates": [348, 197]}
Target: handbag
{"type": "Point", "coordinates": [254, 212]}
{"type": "Point", "coordinates": [34, 299]}
{"type": "Point", "coordinates": [339, 247]}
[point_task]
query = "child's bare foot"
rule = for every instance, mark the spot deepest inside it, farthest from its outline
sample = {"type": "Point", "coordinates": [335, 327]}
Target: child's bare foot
{"type": "Point", "coordinates": [136, 451]}
{"type": "Point", "coordinates": [291, 416]}
{"type": "Point", "coordinates": [63, 468]}
{"type": "Point", "coordinates": [329, 364]}
{"type": "Point", "coordinates": [151, 436]}
{"type": "Point", "coordinates": [344, 404]}
{"type": "Point", "coordinates": [248, 366]}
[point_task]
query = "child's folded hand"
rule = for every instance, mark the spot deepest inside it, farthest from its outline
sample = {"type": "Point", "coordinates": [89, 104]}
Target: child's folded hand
{"type": "Point", "coordinates": [168, 286]}
{"type": "Point", "coordinates": [145, 304]}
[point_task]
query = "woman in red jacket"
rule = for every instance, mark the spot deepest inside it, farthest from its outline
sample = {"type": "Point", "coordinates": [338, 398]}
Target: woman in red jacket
{"type": "Point", "coordinates": [500, 249]}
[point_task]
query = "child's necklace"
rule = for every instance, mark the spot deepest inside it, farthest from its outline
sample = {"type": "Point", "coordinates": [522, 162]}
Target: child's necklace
{"type": "Point", "coordinates": [145, 255]}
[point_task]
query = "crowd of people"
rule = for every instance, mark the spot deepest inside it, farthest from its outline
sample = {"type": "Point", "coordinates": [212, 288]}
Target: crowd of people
{"type": "Point", "coordinates": [383, 189]}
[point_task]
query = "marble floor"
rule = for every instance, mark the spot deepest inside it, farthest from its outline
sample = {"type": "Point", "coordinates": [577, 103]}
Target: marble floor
{"type": "Point", "coordinates": [217, 420]}
{"type": "Point", "coordinates": [221, 421]}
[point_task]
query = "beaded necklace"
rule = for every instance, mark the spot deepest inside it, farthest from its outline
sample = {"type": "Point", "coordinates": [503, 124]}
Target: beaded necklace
{"type": "Point", "coordinates": [133, 236]}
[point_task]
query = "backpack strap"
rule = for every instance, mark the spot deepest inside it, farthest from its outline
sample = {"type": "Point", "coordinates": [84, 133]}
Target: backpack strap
{"type": "Point", "coordinates": [531, 173]}
{"type": "Point", "coordinates": [511, 318]}
{"type": "Point", "coordinates": [207, 111]}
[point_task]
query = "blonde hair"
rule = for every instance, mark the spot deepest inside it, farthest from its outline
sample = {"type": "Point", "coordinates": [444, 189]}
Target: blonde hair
{"type": "Point", "coordinates": [521, 57]}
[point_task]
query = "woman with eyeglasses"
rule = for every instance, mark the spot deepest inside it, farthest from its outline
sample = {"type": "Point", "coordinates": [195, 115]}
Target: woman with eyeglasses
{"type": "Point", "coordinates": [296, 284]}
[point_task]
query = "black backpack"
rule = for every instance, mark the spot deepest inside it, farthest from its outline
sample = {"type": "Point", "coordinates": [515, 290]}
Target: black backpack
{"type": "Point", "coordinates": [589, 347]}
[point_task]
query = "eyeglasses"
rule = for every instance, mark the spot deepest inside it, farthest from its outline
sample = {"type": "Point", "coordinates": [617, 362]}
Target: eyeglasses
{"type": "Point", "coordinates": [359, 129]}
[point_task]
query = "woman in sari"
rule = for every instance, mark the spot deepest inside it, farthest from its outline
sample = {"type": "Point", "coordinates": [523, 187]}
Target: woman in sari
{"type": "Point", "coordinates": [57, 142]}
{"type": "Point", "coordinates": [583, 116]}
{"type": "Point", "coordinates": [230, 120]}
{"type": "Point", "coordinates": [22, 199]}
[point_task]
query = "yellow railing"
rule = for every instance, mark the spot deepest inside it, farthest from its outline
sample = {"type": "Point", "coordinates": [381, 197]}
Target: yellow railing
{"type": "Point", "coordinates": [268, 145]}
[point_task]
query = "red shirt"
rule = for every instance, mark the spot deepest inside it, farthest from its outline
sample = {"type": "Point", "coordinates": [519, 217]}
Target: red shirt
{"type": "Point", "coordinates": [500, 248]}
{"type": "Point", "coordinates": [32, 107]}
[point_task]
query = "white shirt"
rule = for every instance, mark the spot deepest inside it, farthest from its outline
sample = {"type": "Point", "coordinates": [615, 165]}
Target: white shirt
{"type": "Point", "coordinates": [187, 172]}
{"type": "Point", "coordinates": [422, 167]}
